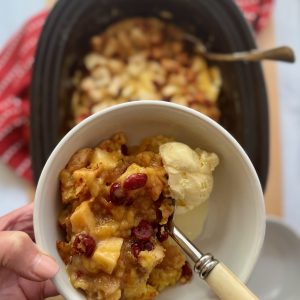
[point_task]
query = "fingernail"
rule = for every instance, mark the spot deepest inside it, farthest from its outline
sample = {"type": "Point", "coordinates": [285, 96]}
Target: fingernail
{"type": "Point", "coordinates": [45, 266]}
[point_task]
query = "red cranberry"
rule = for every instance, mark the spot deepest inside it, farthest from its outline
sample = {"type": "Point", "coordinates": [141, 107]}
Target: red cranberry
{"type": "Point", "coordinates": [135, 181]}
{"type": "Point", "coordinates": [135, 249]}
{"type": "Point", "coordinates": [162, 234]}
{"type": "Point", "coordinates": [117, 194]}
{"type": "Point", "coordinates": [143, 231]}
{"type": "Point", "coordinates": [83, 245]}
{"type": "Point", "coordinates": [148, 246]}
{"type": "Point", "coordinates": [186, 271]}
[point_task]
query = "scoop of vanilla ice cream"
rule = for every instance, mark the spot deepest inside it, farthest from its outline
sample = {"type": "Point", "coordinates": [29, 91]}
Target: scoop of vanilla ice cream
{"type": "Point", "coordinates": [190, 174]}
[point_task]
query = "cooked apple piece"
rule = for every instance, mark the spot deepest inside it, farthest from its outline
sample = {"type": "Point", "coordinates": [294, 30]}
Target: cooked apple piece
{"type": "Point", "coordinates": [106, 230]}
{"type": "Point", "coordinates": [104, 159]}
{"type": "Point", "coordinates": [115, 296]}
{"type": "Point", "coordinates": [150, 259]}
{"type": "Point", "coordinates": [107, 254]}
{"type": "Point", "coordinates": [88, 177]}
{"type": "Point", "coordinates": [83, 218]}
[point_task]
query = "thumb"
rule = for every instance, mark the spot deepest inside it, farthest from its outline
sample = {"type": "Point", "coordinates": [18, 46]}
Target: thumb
{"type": "Point", "coordinates": [18, 253]}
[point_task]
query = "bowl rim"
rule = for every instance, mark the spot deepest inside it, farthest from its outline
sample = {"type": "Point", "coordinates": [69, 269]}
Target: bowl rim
{"type": "Point", "coordinates": [260, 231]}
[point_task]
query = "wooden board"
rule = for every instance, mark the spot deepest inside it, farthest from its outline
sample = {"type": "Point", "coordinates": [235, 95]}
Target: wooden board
{"type": "Point", "coordinates": [273, 194]}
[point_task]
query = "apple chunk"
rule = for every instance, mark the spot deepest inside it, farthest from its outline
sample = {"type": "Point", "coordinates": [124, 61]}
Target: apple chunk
{"type": "Point", "coordinates": [83, 218]}
{"type": "Point", "coordinates": [107, 254]}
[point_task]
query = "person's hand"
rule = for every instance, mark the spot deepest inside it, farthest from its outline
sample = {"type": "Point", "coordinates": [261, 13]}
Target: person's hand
{"type": "Point", "coordinates": [24, 270]}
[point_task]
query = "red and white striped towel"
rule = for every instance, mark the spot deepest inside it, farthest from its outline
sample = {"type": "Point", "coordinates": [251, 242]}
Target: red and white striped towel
{"type": "Point", "coordinates": [257, 12]}
{"type": "Point", "coordinates": [16, 61]}
{"type": "Point", "coordinates": [15, 75]}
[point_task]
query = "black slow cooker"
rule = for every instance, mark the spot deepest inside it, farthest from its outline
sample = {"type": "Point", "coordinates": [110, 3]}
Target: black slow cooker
{"type": "Point", "coordinates": [218, 23]}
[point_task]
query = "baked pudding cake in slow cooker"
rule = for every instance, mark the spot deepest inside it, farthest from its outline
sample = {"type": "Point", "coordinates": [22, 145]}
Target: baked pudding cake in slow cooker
{"type": "Point", "coordinates": [144, 59]}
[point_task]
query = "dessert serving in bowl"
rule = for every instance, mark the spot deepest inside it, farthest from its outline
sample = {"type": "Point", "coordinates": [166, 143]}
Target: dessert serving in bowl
{"type": "Point", "coordinates": [97, 201]}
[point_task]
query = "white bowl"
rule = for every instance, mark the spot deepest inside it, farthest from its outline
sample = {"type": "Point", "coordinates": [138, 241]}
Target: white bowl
{"type": "Point", "coordinates": [235, 227]}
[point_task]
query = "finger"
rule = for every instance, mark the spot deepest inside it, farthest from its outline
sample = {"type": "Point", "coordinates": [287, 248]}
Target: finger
{"type": "Point", "coordinates": [49, 289]}
{"type": "Point", "coordinates": [18, 220]}
{"type": "Point", "coordinates": [37, 290]}
{"type": "Point", "coordinates": [19, 254]}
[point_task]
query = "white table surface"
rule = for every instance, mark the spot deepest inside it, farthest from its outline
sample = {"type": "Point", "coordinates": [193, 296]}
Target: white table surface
{"type": "Point", "coordinates": [287, 25]}
{"type": "Point", "coordinates": [287, 20]}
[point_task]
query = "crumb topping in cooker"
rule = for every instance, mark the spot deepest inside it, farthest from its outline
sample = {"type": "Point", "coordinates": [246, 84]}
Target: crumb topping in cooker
{"type": "Point", "coordinates": [144, 59]}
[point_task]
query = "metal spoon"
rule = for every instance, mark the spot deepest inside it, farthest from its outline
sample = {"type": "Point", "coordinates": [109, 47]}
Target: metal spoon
{"type": "Point", "coordinates": [221, 280]}
{"type": "Point", "coordinates": [283, 53]}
